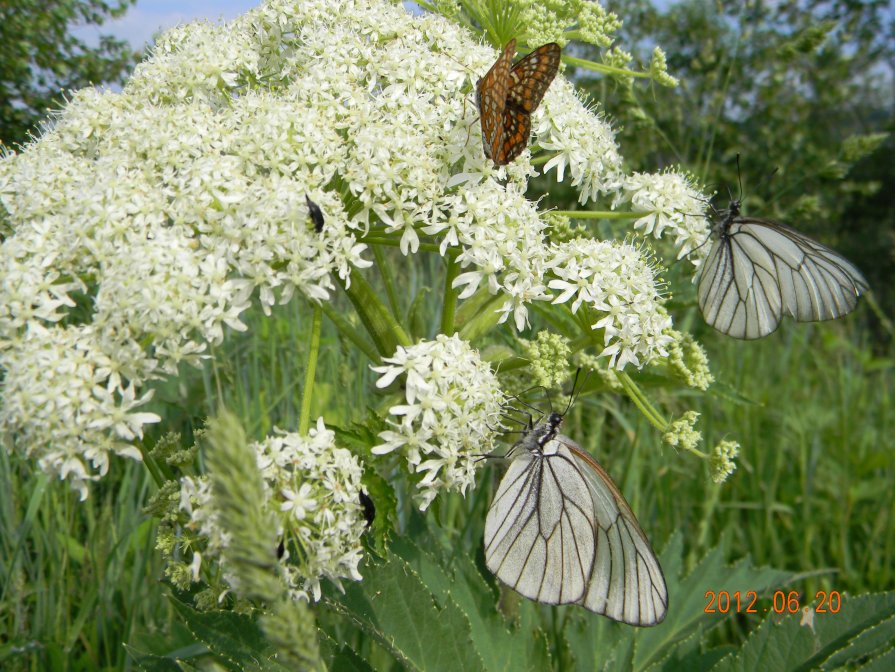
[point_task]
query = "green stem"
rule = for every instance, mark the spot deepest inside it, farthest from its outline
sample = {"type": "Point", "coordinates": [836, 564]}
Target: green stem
{"type": "Point", "coordinates": [304, 421]}
{"type": "Point", "coordinates": [601, 67]}
{"type": "Point", "coordinates": [641, 402]}
{"type": "Point", "coordinates": [347, 329]}
{"type": "Point", "coordinates": [484, 321]}
{"type": "Point", "coordinates": [600, 214]}
{"type": "Point", "coordinates": [449, 308]}
{"type": "Point", "coordinates": [385, 272]}
{"type": "Point", "coordinates": [384, 330]}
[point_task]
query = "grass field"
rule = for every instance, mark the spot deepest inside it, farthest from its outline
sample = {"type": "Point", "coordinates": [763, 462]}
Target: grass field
{"type": "Point", "coordinates": [810, 406]}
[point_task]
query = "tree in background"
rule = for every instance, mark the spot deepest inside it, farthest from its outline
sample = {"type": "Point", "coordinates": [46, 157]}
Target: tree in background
{"type": "Point", "coordinates": [40, 58]}
{"type": "Point", "coordinates": [803, 87]}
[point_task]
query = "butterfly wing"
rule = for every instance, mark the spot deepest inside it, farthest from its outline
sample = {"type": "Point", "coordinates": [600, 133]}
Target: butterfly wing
{"type": "Point", "coordinates": [516, 130]}
{"type": "Point", "coordinates": [538, 536]}
{"type": "Point", "coordinates": [491, 98]}
{"type": "Point", "coordinates": [531, 76]}
{"type": "Point", "coordinates": [528, 82]}
{"type": "Point", "coordinates": [560, 532]}
{"type": "Point", "coordinates": [626, 582]}
{"type": "Point", "coordinates": [762, 270]}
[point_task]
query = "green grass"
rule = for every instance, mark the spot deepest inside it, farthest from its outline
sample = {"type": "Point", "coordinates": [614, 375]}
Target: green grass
{"type": "Point", "coordinates": [813, 494]}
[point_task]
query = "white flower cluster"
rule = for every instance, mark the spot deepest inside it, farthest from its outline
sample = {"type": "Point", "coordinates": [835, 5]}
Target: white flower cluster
{"type": "Point", "coordinates": [617, 282]}
{"type": "Point", "coordinates": [675, 204]}
{"type": "Point", "coordinates": [584, 143]}
{"type": "Point", "coordinates": [64, 392]}
{"type": "Point", "coordinates": [314, 487]}
{"type": "Point", "coordinates": [508, 253]}
{"type": "Point", "coordinates": [151, 217]}
{"type": "Point", "coordinates": [452, 415]}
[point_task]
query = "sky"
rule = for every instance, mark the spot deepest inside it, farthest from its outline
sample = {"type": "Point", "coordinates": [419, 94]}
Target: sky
{"type": "Point", "coordinates": [148, 17]}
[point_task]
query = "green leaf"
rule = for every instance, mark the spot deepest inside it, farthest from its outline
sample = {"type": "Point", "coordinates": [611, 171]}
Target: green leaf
{"type": "Point", "coordinates": [864, 627]}
{"type": "Point", "coordinates": [500, 646]}
{"type": "Point", "coordinates": [149, 662]}
{"type": "Point", "coordinates": [883, 663]}
{"type": "Point", "coordinates": [395, 607]}
{"type": "Point", "coordinates": [867, 621]}
{"type": "Point", "coordinates": [599, 643]}
{"type": "Point", "coordinates": [341, 657]}
{"type": "Point", "coordinates": [236, 640]}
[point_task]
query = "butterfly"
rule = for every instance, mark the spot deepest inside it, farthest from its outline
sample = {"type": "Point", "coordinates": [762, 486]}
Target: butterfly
{"type": "Point", "coordinates": [508, 94]}
{"type": "Point", "coordinates": [560, 532]}
{"type": "Point", "coordinates": [758, 270]}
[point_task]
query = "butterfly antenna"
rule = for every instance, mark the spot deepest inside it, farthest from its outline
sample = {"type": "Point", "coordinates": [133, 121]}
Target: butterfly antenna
{"type": "Point", "coordinates": [576, 391]}
{"type": "Point", "coordinates": [518, 398]}
{"type": "Point", "coordinates": [739, 178]}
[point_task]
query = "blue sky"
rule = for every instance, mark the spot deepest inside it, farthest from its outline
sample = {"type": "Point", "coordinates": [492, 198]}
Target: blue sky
{"type": "Point", "coordinates": [148, 17]}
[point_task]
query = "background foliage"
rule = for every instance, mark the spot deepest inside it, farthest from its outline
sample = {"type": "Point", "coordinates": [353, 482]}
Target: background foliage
{"type": "Point", "coordinates": [786, 86]}
{"type": "Point", "coordinates": [41, 58]}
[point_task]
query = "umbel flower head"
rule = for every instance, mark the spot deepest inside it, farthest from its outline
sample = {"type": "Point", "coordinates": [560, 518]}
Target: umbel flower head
{"type": "Point", "coordinates": [148, 221]}
{"type": "Point", "coordinates": [313, 487]}
{"type": "Point", "coordinates": [451, 418]}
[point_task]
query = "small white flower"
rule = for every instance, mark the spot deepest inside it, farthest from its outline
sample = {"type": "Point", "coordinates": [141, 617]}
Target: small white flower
{"type": "Point", "coordinates": [314, 488]}
{"type": "Point", "coordinates": [451, 417]}
{"type": "Point", "coordinates": [298, 503]}
{"type": "Point", "coordinates": [619, 286]}
{"type": "Point", "coordinates": [673, 203]}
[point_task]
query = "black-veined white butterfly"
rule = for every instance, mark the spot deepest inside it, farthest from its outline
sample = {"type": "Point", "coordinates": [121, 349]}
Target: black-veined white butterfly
{"type": "Point", "coordinates": [758, 270]}
{"type": "Point", "coordinates": [560, 532]}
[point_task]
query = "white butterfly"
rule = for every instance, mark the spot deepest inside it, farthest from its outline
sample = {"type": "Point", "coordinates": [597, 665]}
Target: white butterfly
{"type": "Point", "coordinates": [758, 270]}
{"type": "Point", "coordinates": [560, 532]}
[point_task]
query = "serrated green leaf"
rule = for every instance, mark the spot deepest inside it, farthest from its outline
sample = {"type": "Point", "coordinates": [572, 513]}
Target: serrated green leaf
{"type": "Point", "coordinates": [687, 601]}
{"type": "Point", "coordinates": [393, 605]}
{"type": "Point", "coordinates": [235, 639]}
{"type": "Point", "coordinates": [688, 655]}
{"type": "Point", "coordinates": [863, 627]}
{"type": "Point", "coordinates": [775, 645]}
{"type": "Point", "coordinates": [149, 662]}
{"type": "Point", "coordinates": [599, 643]}
{"type": "Point", "coordinates": [341, 657]}
{"type": "Point", "coordinates": [499, 646]}
{"type": "Point", "coordinates": [882, 663]}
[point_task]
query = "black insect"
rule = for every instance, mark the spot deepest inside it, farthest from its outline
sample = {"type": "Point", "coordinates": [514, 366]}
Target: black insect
{"type": "Point", "coordinates": [315, 213]}
{"type": "Point", "coordinates": [369, 508]}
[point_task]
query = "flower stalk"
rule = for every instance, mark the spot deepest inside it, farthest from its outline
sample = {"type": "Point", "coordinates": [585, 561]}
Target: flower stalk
{"type": "Point", "coordinates": [310, 370]}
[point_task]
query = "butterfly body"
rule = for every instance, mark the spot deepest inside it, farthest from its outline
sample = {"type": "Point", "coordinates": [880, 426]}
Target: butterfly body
{"type": "Point", "coordinates": [508, 94]}
{"type": "Point", "coordinates": [758, 270]}
{"type": "Point", "coordinates": [560, 532]}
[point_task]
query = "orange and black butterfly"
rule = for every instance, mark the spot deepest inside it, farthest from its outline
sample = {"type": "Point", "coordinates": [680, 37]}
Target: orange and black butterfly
{"type": "Point", "coordinates": [508, 94]}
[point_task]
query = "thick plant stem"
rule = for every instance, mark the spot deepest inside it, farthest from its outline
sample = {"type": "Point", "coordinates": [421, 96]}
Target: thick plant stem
{"type": "Point", "coordinates": [449, 308]}
{"type": "Point", "coordinates": [384, 330]}
{"type": "Point", "coordinates": [484, 322]}
{"type": "Point", "coordinates": [310, 370]}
